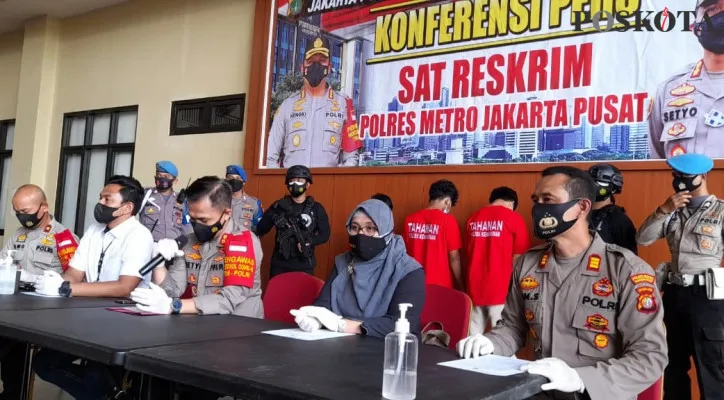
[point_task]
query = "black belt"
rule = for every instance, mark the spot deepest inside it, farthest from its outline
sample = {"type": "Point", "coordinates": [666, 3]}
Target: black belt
{"type": "Point", "coordinates": [685, 280]}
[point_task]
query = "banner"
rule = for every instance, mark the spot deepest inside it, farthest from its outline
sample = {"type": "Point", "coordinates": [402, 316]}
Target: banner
{"type": "Point", "coordinates": [399, 83]}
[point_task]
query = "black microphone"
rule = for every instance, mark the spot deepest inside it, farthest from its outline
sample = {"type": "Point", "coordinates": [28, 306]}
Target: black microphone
{"type": "Point", "coordinates": [181, 242]}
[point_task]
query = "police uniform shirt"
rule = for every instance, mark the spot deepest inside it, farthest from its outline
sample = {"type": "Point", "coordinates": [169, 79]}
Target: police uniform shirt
{"type": "Point", "coordinates": [687, 115]}
{"type": "Point", "coordinates": [246, 211]}
{"type": "Point", "coordinates": [600, 313]}
{"type": "Point", "coordinates": [162, 216]}
{"type": "Point", "coordinates": [125, 248]}
{"type": "Point", "coordinates": [694, 236]}
{"type": "Point", "coordinates": [307, 130]}
{"type": "Point", "coordinates": [36, 248]}
{"type": "Point", "coordinates": [202, 270]}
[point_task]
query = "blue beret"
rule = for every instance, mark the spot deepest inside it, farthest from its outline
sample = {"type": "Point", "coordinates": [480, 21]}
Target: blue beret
{"type": "Point", "coordinates": [691, 163]}
{"type": "Point", "coordinates": [236, 170]}
{"type": "Point", "coordinates": [167, 167]}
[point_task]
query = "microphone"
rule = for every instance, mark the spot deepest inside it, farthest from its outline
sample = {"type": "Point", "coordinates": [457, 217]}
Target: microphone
{"type": "Point", "coordinates": [181, 241]}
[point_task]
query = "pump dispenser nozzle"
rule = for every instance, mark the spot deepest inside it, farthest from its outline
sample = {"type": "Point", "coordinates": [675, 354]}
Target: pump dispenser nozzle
{"type": "Point", "coordinates": [403, 325]}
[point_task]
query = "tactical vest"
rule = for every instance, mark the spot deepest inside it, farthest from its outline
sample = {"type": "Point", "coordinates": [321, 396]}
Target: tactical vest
{"type": "Point", "coordinates": [600, 222]}
{"type": "Point", "coordinates": [304, 220]}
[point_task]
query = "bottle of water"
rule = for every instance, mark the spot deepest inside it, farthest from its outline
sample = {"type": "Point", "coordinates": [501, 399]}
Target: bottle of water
{"type": "Point", "coordinates": [399, 377]}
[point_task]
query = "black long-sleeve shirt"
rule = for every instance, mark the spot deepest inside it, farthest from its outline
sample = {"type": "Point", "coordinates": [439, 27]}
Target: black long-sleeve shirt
{"type": "Point", "coordinates": [410, 289]}
{"type": "Point", "coordinates": [614, 226]}
{"type": "Point", "coordinates": [319, 235]}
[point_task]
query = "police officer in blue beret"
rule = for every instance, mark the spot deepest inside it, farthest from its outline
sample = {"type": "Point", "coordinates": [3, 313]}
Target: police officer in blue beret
{"type": "Point", "coordinates": [691, 221]}
{"type": "Point", "coordinates": [245, 210]}
{"type": "Point", "coordinates": [160, 210]}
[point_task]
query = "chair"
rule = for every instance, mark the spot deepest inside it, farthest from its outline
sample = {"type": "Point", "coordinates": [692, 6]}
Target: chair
{"type": "Point", "coordinates": [289, 291]}
{"type": "Point", "coordinates": [654, 392]}
{"type": "Point", "coordinates": [449, 307]}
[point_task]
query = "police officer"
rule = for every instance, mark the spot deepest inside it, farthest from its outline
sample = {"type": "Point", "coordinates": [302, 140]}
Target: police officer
{"type": "Point", "coordinates": [688, 111]}
{"type": "Point", "coordinates": [302, 224]}
{"type": "Point", "coordinates": [36, 251]}
{"type": "Point", "coordinates": [691, 221]}
{"type": "Point", "coordinates": [590, 309]}
{"type": "Point", "coordinates": [608, 219]}
{"type": "Point", "coordinates": [197, 271]}
{"type": "Point", "coordinates": [246, 210]}
{"type": "Point", "coordinates": [160, 211]}
{"type": "Point", "coordinates": [316, 127]}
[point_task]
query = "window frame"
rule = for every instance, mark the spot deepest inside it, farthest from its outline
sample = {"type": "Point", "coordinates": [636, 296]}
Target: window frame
{"type": "Point", "coordinates": [207, 104]}
{"type": "Point", "coordinates": [85, 150]}
{"type": "Point", "coordinates": [4, 153]}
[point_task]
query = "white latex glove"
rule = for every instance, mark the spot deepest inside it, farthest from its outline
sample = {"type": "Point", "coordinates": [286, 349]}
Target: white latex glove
{"type": "Point", "coordinates": [48, 283]}
{"type": "Point", "coordinates": [168, 249]}
{"type": "Point", "coordinates": [153, 300]}
{"type": "Point", "coordinates": [562, 377]}
{"type": "Point", "coordinates": [475, 346]}
{"type": "Point", "coordinates": [305, 322]}
{"type": "Point", "coordinates": [329, 319]}
{"type": "Point", "coordinates": [26, 276]}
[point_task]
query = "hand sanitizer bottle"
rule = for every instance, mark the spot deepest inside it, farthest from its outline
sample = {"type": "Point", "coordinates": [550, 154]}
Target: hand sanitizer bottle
{"type": "Point", "coordinates": [8, 275]}
{"type": "Point", "coordinates": [399, 379]}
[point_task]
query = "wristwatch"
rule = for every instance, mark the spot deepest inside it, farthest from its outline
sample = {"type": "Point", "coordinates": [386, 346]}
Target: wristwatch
{"type": "Point", "coordinates": [176, 306]}
{"type": "Point", "coordinates": [64, 289]}
{"type": "Point", "coordinates": [341, 325]}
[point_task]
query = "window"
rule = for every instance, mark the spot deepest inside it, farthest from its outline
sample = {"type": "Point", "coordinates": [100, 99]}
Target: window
{"type": "Point", "coordinates": [7, 136]}
{"type": "Point", "coordinates": [96, 145]}
{"type": "Point", "coordinates": [210, 115]}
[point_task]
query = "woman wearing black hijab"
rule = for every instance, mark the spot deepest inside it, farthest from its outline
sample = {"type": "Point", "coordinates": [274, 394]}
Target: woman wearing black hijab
{"type": "Point", "coordinates": [369, 281]}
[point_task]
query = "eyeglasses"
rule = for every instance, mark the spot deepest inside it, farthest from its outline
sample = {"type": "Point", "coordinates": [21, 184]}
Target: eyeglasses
{"type": "Point", "coordinates": [369, 230]}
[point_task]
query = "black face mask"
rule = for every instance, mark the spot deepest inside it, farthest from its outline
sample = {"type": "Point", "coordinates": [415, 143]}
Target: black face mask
{"type": "Point", "coordinates": [681, 184]}
{"type": "Point", "coordinates": [104, 214]}
{"type": "Point", "coordinates": [29, 221]}
{"type": "Point", "coordinates": [366, 247]}
{"type": "Point", "coordinates": [204, 233]}
{"type": "Point", "coordinates": [315, 73]}
{"type": "Point", "coordinates": [236, 184]}
{"type": "Point", "coordinates": [296, 189]}
{"type": "Point", "coordinates": [164, 183]}
{"type": "Point", "coordinates": [602, 192]}
{"type": "Point", "coordinates": [548, 219]}
{"type": "Point", "coordinates": [711, 37]}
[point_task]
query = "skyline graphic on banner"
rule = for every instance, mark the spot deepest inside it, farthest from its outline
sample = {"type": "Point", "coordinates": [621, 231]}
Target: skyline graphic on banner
{"type": "Point", "coordinates": [541, 92]}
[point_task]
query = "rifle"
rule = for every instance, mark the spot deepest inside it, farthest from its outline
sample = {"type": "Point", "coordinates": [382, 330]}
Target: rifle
{"type": "Point", "coordinates": [304, 241]}
{"type": "Point", "coordinates": [287, 227]}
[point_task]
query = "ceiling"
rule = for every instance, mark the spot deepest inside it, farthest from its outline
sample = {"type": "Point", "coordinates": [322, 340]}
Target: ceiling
{"type": "Point", "coordinates": [13, 13]}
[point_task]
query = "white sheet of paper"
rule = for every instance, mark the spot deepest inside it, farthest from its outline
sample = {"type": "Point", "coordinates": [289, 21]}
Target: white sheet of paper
{"type": "Point", "coordinates": [40, 295]}
{"type": "Point", "coordinates": [489, 365]}
{"type": "Point", "coordinates": [301, 335]}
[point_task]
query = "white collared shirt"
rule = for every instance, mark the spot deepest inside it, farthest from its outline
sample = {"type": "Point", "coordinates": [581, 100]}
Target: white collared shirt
{"type": "Point", "coordinates": [127, 248]}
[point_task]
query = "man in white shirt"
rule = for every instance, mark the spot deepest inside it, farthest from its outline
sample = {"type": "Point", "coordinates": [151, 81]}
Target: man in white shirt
{"type": "Point", "coordinates": [111, 251]}
{"type": "Point", "coordinates": [105, 264]}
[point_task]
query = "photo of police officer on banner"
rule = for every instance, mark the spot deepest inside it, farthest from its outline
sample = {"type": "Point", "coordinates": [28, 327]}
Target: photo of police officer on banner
{"type": "Point", "coordinates": [316, 127]}
{"type": "Point", "coordinates": [687, 114]}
